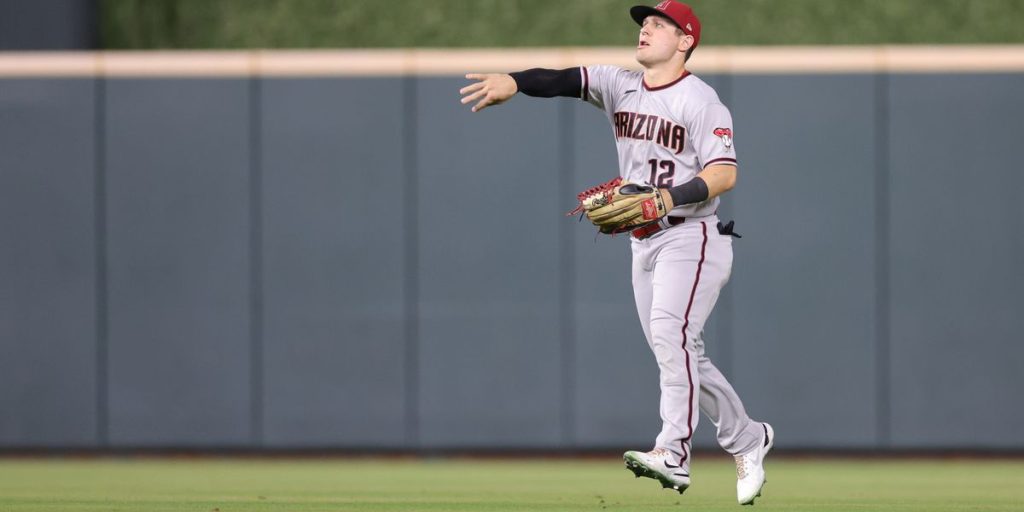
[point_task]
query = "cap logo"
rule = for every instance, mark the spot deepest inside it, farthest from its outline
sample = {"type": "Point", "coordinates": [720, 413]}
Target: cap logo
{"type": "Point", "coordinates": [663, 5]}
{"type": "Point", "coordinates": [689, 28]}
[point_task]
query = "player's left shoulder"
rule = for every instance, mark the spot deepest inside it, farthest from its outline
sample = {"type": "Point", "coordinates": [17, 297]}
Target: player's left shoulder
{"type": "Point", "coordinates": [699, 93]}
{"type": "Point", "coordinates": [695, 97]}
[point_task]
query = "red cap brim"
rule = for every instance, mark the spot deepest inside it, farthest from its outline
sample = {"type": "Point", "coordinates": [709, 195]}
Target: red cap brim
{"type": "Point", "coordinates": [641, 12]}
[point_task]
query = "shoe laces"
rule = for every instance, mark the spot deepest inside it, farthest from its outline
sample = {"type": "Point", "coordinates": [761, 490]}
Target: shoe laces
{"type": "Point", "coordinates": [741, 467]}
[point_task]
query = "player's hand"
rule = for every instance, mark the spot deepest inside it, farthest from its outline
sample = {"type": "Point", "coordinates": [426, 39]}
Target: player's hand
{"type": "Point", "coordinates": [490, 89]}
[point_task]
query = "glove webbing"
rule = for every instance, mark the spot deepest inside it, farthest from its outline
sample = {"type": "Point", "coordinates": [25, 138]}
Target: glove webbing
{"type": "Point", "coordinates": [602, 189]}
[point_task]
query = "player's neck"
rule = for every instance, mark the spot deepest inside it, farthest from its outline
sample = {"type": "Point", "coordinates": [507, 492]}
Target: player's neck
{"type": "Point", "coordinates": [657, 76]}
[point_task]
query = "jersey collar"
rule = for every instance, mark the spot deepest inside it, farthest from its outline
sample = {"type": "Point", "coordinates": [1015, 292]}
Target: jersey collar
{"type": "Point", "coordinates": [685, 74]}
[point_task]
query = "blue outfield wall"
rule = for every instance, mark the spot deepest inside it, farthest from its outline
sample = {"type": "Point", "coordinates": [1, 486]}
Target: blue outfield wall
{"type": "Point", "coordinates": [362, 263]}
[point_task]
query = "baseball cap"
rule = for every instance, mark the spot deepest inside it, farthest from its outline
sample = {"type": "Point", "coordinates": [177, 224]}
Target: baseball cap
{"type": "Point", "coordinates": [680, 14]}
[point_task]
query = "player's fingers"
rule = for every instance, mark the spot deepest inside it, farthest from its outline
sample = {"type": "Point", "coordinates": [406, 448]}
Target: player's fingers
{"type": "Point", "coordinates": [482, 104]}
{"type": "Point", "coordinates": [473, 97]}
{"type": "Point", "coordinates": [475, 76]}
{"type": "Point", "coordinates": [471, 87]}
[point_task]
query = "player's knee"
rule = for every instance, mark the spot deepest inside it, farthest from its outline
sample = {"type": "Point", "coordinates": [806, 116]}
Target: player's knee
{"type": "Point", "coordinates": [674, 367]}
{"type": "Point", "coordinates": [666, 328]}
{"type": "Point", "coordinates": [675, 378]}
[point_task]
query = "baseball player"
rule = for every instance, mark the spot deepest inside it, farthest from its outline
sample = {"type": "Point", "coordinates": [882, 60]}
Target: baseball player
{"type": "Point", "coordinates": [677, 155]}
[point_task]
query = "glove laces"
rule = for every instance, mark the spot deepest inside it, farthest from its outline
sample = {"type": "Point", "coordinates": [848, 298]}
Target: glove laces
{"type": "Point", "coordinates": [602, 189]}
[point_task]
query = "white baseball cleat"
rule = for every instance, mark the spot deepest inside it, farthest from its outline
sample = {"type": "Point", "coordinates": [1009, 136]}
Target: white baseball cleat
{"type": "Point", "coordinates": [750, 469]}
{"type": "Point", "coordinates": [660, 465]}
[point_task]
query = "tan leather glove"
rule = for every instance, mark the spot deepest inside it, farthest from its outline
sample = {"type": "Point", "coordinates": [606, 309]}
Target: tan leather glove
{"type": "Point", "coordinates": [620, 206]}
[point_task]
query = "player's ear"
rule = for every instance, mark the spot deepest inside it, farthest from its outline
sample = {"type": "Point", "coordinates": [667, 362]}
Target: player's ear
{"type": "Point", "coordinates": [685, 42]}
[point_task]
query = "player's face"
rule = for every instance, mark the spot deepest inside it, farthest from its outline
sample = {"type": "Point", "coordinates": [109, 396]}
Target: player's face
{"type": "Point", "coordinates": [660, 40]}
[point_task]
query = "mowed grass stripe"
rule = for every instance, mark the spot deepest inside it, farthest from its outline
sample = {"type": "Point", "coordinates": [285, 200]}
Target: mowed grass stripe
{"type": "Point", "coordinates": [454, 484]}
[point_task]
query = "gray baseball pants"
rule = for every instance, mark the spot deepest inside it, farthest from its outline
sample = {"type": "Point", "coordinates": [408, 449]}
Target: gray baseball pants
{"type": "Point", "coordinates": [677, 277]}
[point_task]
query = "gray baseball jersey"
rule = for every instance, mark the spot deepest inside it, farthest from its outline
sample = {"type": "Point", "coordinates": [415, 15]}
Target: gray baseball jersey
{"type": "Point", "coordinates": [664, 135]}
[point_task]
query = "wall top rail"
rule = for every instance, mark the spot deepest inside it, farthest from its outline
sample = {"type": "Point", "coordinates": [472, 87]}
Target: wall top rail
{"type": "Point", "coordinates": [455, 62]}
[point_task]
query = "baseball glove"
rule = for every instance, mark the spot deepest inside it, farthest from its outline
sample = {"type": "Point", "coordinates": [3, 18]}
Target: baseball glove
{"type": "Point", "coordinates": [620, 206]}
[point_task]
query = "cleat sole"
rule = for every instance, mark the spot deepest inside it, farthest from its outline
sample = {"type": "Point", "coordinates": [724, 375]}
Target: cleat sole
{"type": "Point", "coordinates": [639, 469]}
{"type": "Point", "coordinates": [751, 502]}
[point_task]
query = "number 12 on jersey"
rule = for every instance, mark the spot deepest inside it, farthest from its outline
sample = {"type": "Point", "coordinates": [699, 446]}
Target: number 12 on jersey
{"type": "Point", "coordinates": [664, 179]}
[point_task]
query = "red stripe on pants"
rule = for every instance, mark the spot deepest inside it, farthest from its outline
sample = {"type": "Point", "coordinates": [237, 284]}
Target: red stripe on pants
{"type": "Point", "coordinates": [686, 323]}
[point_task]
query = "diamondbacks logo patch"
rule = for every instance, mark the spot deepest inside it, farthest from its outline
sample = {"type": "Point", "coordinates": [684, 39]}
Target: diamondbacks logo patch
{"type": "Point", "coordinates": [726, 135]}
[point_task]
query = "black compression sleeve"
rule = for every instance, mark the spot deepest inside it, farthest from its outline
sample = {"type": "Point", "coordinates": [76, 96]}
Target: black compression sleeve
{"type": "Point", "coordinates": [693, 191]}
{"type": "Point", "coordinates": [548, 83]}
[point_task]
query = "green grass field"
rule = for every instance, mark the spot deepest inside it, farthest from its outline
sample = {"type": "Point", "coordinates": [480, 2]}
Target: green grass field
{"type": "Point", "coordinates": [466, 484]}
{"type": "Point", "coordinates": [145, 24]}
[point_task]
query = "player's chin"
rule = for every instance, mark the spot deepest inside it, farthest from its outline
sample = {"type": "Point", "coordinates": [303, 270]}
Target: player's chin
{"type": "Point", "coordinates": [643, 57]}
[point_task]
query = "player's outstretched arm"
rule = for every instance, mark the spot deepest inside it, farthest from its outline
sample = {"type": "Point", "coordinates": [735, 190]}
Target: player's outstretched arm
{"type": "Point", "coordinates": [493, 89]}
{"type": "Point", "coordinates": [490, 89]}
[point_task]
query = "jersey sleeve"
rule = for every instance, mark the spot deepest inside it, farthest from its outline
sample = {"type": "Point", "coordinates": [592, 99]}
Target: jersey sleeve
{"type": "Point", "coordinates": [602, 85]}
{"type": "Point", "coordinates": [712, 136]}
